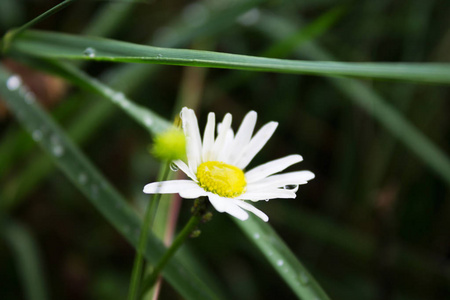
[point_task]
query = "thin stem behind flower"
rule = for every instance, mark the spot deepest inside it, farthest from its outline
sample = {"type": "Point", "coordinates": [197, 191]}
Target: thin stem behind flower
{"type": "Point", "coordinates": [149, 218]}
{"type": "Point", "coordinates": [150, 281]}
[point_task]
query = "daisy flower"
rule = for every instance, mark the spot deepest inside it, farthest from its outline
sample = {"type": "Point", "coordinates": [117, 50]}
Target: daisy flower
{"type": "Point", "coordinates": [216, 167]}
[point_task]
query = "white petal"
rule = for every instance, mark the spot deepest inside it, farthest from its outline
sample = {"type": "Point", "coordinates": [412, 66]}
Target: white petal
{"type": "Point", "coordinates": [193, 140]}
{"type": "Point", "coordinates": [193, 192]}
{"type": "Point", "coordinates": [221, 137]}
{"type": "Point", "coordinates": [256, 143]}
{"type": "Point", "coordinates": [208, 137]}
{"type": "Point", "coordinates": [227, 205]}
{"type": "Point", "coordinates": [227, 148]}
{"type": "Point", "coordinates": [271, 167]}
{"type": "Point", "coordinates": [266, 194]}
{"type": "Point", "coordinates": [243, 136]}
{"type": "Point", "coordinates": [252, 209]}
{"type": "Point", "coordinates": [169, 187]}
{"type": "Point", "coordinates": [281, 180]}
{"type": "Point", "coordinates": [183, 167]}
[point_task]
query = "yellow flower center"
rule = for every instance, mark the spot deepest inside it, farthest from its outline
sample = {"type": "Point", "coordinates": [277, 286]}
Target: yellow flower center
{"type": "Point", "coordinates": [221, 179]}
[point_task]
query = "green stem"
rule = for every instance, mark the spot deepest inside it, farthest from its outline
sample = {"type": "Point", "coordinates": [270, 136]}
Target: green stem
{"type": "Point", "coordinates": [9, 36]}
{"type": "Point", "coordinates": [150, 214]}
{"type": "Point", "coordinates": [150, 281]}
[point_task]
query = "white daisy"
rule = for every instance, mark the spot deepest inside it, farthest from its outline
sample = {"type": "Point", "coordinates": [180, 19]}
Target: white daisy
{"type": "Point", "coordinates": [216, 167]}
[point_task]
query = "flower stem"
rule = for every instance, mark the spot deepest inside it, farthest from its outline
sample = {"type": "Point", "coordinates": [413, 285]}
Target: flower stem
{"type": "Point", "coordinates": [182, 236]}
{"type": "Point", "coordinates": [149, 218]}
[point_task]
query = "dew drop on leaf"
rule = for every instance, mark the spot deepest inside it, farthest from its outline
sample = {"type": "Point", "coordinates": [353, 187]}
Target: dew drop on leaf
{"type": "Point", "coordinates": [303, 278]}
{"type": "Point", "coordinates": [13, 82]}
{"type": "Point", "coordinates": [37, 135]}
{"type": "Point", "coordinates": [82, 178]}
{"type": "Point", "coordinates": [89, 52]}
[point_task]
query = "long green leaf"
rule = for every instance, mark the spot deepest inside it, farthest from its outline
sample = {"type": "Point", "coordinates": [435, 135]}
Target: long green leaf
{"type": "Point", "coordinates": [371, 102]}
{"type": "Point", "coordinates": [282, 259]}
{"type": "Point", "coordinates": [28, 259]}
{"type": "Point", "coordinates": [89, 181]}
{"type": "Point", "coordinates": [66, 46]}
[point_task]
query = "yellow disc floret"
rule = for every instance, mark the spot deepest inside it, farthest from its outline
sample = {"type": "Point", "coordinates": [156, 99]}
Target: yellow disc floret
{"type": "Point", "coordinates": [221, 179]}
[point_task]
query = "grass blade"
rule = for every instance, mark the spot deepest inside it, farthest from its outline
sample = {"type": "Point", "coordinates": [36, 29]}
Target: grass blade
{"type": "Point", "coordinates": [66, 46]}
{"type": "Point", "coordinates": [282, 259]}
{"type": "Point", "coordinates": [28, 260]}
{"type": "Point", "coordinates": [371, 102]}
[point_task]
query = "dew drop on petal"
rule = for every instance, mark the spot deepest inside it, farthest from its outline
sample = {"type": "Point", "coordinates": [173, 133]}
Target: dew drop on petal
{"type": "Point", "coordinates": [280, 262]}
{"type": "Point", "coordinates": [13, 82]}
{"type": "Point", "coordinates": [89, 52]}
{"type": "Point", "coordinates": [291, 187]}
{"type": "Point", "coordinates": [256, 236]}
{"type": "Point", "coordinates": [174, 167]}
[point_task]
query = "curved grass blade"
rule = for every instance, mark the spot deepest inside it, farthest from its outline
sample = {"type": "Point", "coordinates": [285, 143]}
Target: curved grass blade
{"type": "Point", "coordinates": [147, 118]}
{"type": "Point", "coordinates": [93, 185]}
{"type": "Point", "coordinates": [28, 258]}
{"type": "Point", "coordinates": [12, 34]}
{"type": "Point", "coordinates": [371, 102]}
{"type": "Point", "coordinates": [66, 46]}
{"type": "Point", "coordinates": [282, 259]}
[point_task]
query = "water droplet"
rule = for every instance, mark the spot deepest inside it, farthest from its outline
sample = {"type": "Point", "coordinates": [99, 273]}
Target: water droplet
{"type": "Point", "coordinates": [121, 99]}
{"type": "Point", "coordinates": [89, 52]}
{"type": "Point", "coordinates": [58, 150]}
{"type": "Point", "coordinates": [195, 13]}
{"type": "Point", "coordinates": [159, 56]}
{"type": "Point", "coordinates": [256, 236]}
{"type": "Point", "coordinates": [250, 18]}
{"type": "Point", "coordinates": [29, 97]}
{"type": "Point", "coordinates": [13, 82]}
{"type": "Point", "coordinates": [82, 178]}
{"type": "Point", "coordinates": [174, 167]}
{"type": "Point", "coordinates": [125, 104]}
{"type": "Point", "coordinates": [94, 191]}
{"type": "Point", "coordinates": [37, 135]}
{"type": "Point", "coordinates": [148, 121]}
{"type": "Point", "coordinates": [280, 262]}
{"type": "Point", "coordinates": [303, 278]}
{"type": "Point", "coordinates": [291, 187]}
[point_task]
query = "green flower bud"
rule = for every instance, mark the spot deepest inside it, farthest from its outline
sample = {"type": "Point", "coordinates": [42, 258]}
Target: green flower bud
{"type": "Point", "coordinates": [169, 145]}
